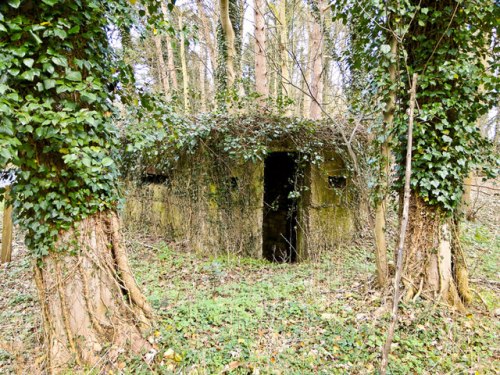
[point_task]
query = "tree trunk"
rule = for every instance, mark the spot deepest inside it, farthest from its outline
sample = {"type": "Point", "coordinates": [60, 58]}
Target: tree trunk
{"type": "Point", "coordinates": [170, 58]}
{"type": "Point", "coordinates": [92, 308]}
{"type": "Point", "coordinates": [274, 80]}
{"type": "Point", "coordinates": [229, 39]}
{"type": "Point", "coordinates": [161, 67]}
{"type": "Point", "coordinates": [384, 174]}
{"type": "Point", "coordinates": [303, 95]}
{"type": "Point", "coordinates": [201, 72]}
{"type": "Point", "coordinates": [306, 104]}
{"type": "Point", "coordinates": [465, 204]}
{"type": "Point", "coordinates": [434, 264]}
{"type": "Point", "coordinates": [185, 77]}
{"type": "Point", "coordinates": [316, 51]}
{"type": "Point", "coordinates": [283, 48]}
{"type": "Point", "coordinates": [207, 34]}
{"type": "Point", "coordinates": [261, 85]}
{"type": "Point", "coordinates": [496, 133]}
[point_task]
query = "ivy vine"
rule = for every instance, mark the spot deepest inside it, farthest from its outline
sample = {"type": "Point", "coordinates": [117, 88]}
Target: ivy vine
{"type": "Point", "coordinates": [159, 137]}
{"type": "Point", "coordinates": [56, 110]}
{"type": "Point", "coordinates": [450, 44]}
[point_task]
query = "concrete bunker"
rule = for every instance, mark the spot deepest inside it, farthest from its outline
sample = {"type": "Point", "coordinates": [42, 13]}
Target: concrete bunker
{"type": "Point", "coordinates": [294, 200]}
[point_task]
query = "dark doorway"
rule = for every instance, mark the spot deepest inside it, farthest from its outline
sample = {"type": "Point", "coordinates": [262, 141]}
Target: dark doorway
{"type": "Point", "coordinates": [280, 209]}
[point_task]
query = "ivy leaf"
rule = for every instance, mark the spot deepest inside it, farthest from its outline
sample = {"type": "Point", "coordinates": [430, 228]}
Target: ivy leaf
{"type": "Point", "coordinates": [50, 2]}
{"type": "Point", "coordinates": [86, 161]}
{"type": "Point", "coordinates": [19, 52]}
{"type": "Point", "coordinates": [14, 3]}
{"type": "Point", "coordinates": [447, 139]}
{"type": "Point", "coordinates": [60, 33]}
{"type": "Point", "coordinates": [49, 83]}
{"type": "Point", "coordinates": [73, 75]}
{"type": "Point", "coordinates": [74, 30]}
{"type": "Point", "coordinates": [5, 154]}
{"type": "Point", "coordinates": [106, 162]}
{"type": "Point", "coordinates": [14, 72]}
{"type": "Point", "coordinates": [89, 97]}
{"type": "Point", "coordinates": [49, 68]}
{"type": "Point", "coordinates": [60, 60]}
{"type": "Point", "coordinates": [385, 48]}
{"type": "Point", "coordinates": [29, 75]}
{"type": "Point", "coordinates": [36, 37]}
{"type": "Point", "coordinates": [28, 62]}
{"type": "Point", "coordinates": [61, 89]}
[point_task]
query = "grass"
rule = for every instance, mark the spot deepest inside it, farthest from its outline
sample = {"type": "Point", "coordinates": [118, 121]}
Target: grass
{"type": "Point", "coordinates": [221, 315]}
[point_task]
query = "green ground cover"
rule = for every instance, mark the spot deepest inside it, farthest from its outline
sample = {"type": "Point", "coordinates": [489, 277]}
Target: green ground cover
{"type": "Point", "coordinates": [246, 316]}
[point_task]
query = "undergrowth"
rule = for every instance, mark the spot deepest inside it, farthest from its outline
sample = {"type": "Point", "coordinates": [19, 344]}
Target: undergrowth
{"type": "Point", "coordinates": [220, 315]}
{"type": "Point", "coordinates": [244, 316]}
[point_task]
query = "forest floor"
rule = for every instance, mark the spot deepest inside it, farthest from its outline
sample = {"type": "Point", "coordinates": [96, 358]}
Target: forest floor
{"type": "Point", "coordinates": [223, 315]}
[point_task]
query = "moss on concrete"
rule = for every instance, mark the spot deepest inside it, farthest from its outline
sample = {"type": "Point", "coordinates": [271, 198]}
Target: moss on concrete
{"type": "Point", "coordinates": [217, 206]}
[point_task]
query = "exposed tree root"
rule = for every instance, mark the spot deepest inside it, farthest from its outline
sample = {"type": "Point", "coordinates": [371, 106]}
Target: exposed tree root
{"type": "Point", "coordinates": [90, 302]}
{"type": "Point", "coordinates": [434, 265]}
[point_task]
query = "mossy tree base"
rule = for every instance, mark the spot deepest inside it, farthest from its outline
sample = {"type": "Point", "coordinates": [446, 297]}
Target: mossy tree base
{"type": "Point", "coordinates": [92, 308]}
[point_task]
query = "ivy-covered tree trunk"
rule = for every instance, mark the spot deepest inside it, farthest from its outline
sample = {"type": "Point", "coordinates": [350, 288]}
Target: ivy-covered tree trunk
{"type": "Point", "coordinates": [185, 75]}
{"type": "Point", "coordinates": [448, 56]}
{"type": "Point", "coordinates": [92, 308]}
{"type": "Point", "coordinates": [449, 45]}
{"type": "Point", "coordinates": [229, 47]}
{"type": "Point", "coordinates": [56, 129]}
{"type": "Point", "coordinates": [172, 72]}
{"type": "Point", "coordinates": [229, 42]}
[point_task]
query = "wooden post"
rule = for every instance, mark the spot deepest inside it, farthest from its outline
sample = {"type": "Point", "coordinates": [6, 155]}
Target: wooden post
{"type": "Point", "coordinates": [6, 254]}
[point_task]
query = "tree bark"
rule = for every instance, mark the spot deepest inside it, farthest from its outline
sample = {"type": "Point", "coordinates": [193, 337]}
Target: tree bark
{"type": "Point", "coordinates": [402, 234]}
{"type": "Point", "coordinates": [316, 51]}
{"type": "Point", "coordinates": [207, 35]}
{"type": "Point", "coordinates": [283, 48]}
{"type": "Point", "coordinates": [261, 85]}
{"type": "Point", "coordinates": [306, 104]}
{"type": "Point", "coordinates": [161, 66]}
{"type": "Point", "coordinates": [229, 39]}
{"type": "Point", "coordinates": [202, 75]}
{"type": "Point", "coordinates": [92, 308]}
{"type": "Point", "coordinates": [465, 204]}
{"type": "Point", "coordinates": [433, 264]}
{"type": "Point", "coordinates": [384, 176]}
{"type": "Point", "coordinates": [170, 58]}
{"type": "Point", "coordinates": [185, 77]}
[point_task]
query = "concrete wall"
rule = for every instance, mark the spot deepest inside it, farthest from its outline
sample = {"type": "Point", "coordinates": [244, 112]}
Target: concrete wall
{"type": "Point", "coordinates": [330, 208]}
{"type": "Point", "coordinates": [215, 211]}
{"type": "Point", "coordinates": [217, 206]}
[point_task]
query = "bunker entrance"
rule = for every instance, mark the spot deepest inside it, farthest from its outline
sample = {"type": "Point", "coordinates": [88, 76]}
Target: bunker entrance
{"type": "Point", "coordinates": [280, 208]}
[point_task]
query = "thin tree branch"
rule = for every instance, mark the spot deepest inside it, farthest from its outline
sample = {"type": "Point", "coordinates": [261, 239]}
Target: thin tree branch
{"type": "Point", "coordinates": [406, 207]}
